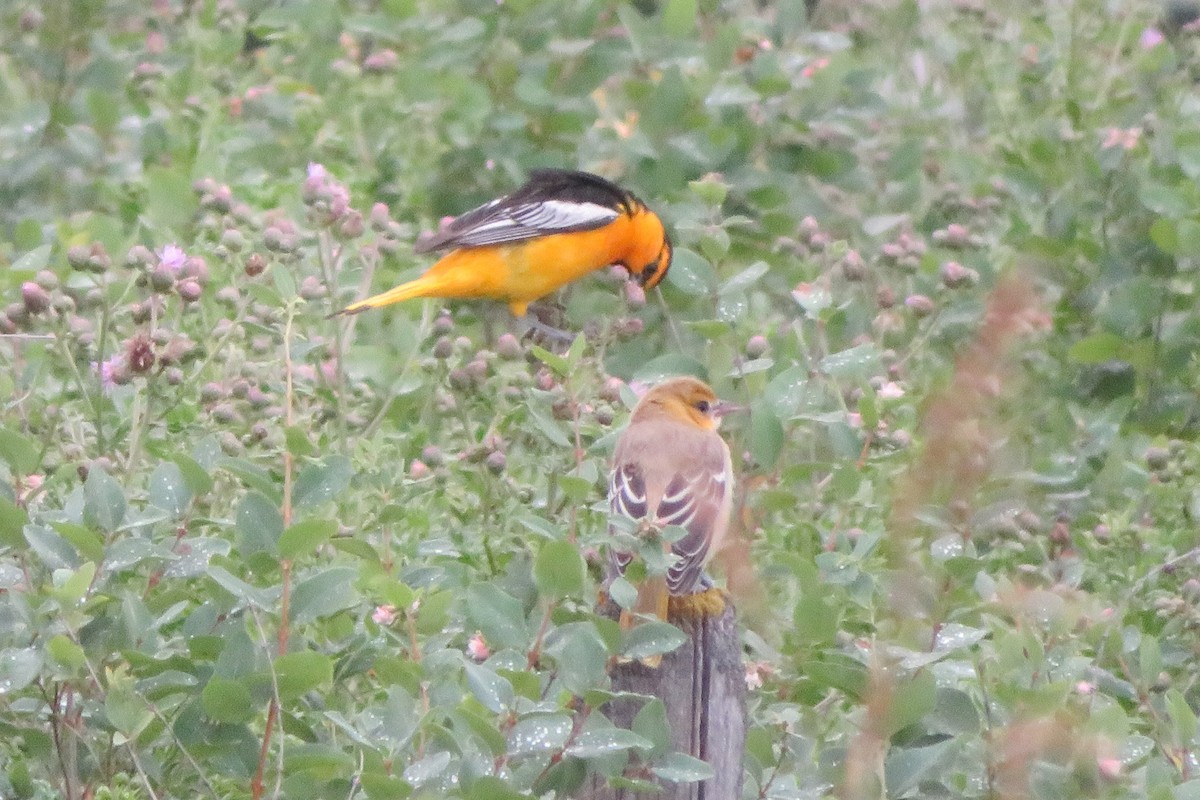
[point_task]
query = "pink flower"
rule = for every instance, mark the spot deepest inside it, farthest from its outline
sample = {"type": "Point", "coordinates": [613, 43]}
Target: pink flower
{"type": "Point", "coordinates": [1110, 768]}
{"type": "Point", "coordinates": [172, 257]}
{"type": "Point", "coordinates": [384, 615]}
{"type": "Point", "coordinates": [316, 172]}
{"type": "Point", "coordinates": [890, 391]}
{"type": "Point", "coordinates": [1085, 688]}
{"type": "Point", "coordinates": [1151, 38]}
{"type": "Point", "coordinates": [110, 370]}
{"type": "Point", "coordinates": [1125, 138]}
{"type": "Point", "coordinates": [814, 67]}
{"type": "Point", "coordinates": [756, 671]}
{"type": "Point", "coordinates": [477, 647]}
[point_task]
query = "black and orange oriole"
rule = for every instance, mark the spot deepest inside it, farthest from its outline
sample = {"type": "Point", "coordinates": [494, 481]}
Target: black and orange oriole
{"type": "Point", "coordinates": [555, 229]}
{"type": "Point", "coordinates": [671, 467]}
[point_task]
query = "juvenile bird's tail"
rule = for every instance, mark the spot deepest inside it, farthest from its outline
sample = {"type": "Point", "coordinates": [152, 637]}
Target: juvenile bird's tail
{"type": "Point", "coordinates": [652, 598]}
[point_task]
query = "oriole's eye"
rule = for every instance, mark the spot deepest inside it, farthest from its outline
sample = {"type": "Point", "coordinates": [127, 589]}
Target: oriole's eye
{"type": "Point", "coordinates": [702, 406]}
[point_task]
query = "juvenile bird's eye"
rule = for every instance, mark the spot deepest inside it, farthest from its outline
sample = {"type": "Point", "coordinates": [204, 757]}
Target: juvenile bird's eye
{"type": "Point", "coordinates": [702, 406]}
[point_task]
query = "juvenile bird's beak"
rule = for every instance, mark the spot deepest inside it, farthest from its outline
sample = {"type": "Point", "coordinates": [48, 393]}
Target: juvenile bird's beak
{"type": "Point", "coordinates": [724, 407]}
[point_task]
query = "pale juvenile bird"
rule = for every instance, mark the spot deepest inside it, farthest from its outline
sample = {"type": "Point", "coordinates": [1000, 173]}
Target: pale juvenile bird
{"type": "Point", "coordinates": [671, 467]}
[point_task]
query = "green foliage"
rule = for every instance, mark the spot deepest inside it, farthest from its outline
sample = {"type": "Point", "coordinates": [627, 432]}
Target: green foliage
{"type": "Point", "coordinates": [944, 253]}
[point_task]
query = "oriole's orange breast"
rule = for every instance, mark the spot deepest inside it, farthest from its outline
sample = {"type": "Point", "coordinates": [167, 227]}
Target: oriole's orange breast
{"type": "Point", "coordinates": [541, 266]}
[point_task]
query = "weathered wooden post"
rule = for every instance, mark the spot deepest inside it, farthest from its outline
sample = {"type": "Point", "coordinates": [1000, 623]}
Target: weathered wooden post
{"type": "Point", "coordinates": [703, 686]}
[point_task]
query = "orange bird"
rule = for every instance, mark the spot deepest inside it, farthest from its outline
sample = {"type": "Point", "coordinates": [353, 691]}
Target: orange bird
{"type": "Point", "coordinates": [555, 229]}
{"type": "Point", "coordinates": [671, 467]}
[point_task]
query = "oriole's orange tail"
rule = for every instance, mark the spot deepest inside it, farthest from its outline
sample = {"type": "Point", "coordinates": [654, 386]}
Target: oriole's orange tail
{"type": "Point", "coordinates": [405, 291]}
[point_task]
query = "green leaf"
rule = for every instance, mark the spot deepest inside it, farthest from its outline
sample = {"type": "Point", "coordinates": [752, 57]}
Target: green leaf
{"type": "Point", "coordinates": [868, 409]}
{"type": "Point", "coordinates": [679, 17]}
{"type": "Point", "coordinates": [682, 768]}
{"type": "Point", "coordinates": [319, 483]}
{"type": "Point", "coordinates": [13, 519]}
{"type": "Point", "coordinates": [559, 570]}
{"type": "Point", "coordinates": [300, 672]}
{"type": "Point", "coordinates": [320, 762]}
{"type": "Point", "coordinates": [913, 698]}
{"type": "Point", "coordinates": [652, 638]}
{"type": "Point", "coordinates": [381, 784]}
{"type": "Point", "coordinates": [839, 672]}
{"type": "Point", "coordinates": [622, 592]}
{"type": "Point", "coordinates": [169, 490]}
{"type": "Point", "coordinates": [1097, 348]}
{"type": "Point", "coordinates": [856, 362]}
{"type": "Point", "coordinates": [53, 550]}
{"type": "Point", "coordinates": [548, 426]}
{"type": "Point", "coordinates": [874, 226]}
{"type": "Point", "coordinates": [427, 769]}
{"type": "Point", "coordinates": [32, 261]}
{"type": "Point", "coordinates": [580, 655]}
{"type": "Point", "coordinates": [66, 652]}
{"type": "Point", "coordinates": [766, 436]}
{"type": "Point", "coordinates": [905, 768]}
{"type": "Point", "coordinates": [1187, 234]}
{"type": "Point", "coordinates": [539, 733]}
{"type": "Point", "coordinates": [1164, 235]}
{"type": "Point", "coordinates": [198, 479]}
{"type": "Point", "coordinates": [1183, 718]}
{"type": "Point", "coordinates": [86, 541]}
{"type": "Point", "coordinates": [285, 282]}
{"type": "Point", "coordinates": [559, 365]}
{"type": "Point", "coordinates": [298, 443]}
{"type": "Point", "coordinates": [746, 278]}
{"type": "Point", "coordinates": [1188, 790]}
{"type": "Point", "coordinates": [1165, 200]}
{"type": "Point", "coordinates": [490, 689]}
{"type": "Point", "coordinates": [651, 724]}
{"type": "Point", "coordinates": [691, 273]}
{"type": "Point", "coordinates": [814, 622]}
{"type": "Point", "coordinates": [603, 741]}
{"type": "Point", "coordinates": [264, 599]}
{"type": "Point", "coordinates": [227, 700]}
{"type": "Point", "coordinates": [325, 593]}
{"type": "Point", "coordinates": [434, 612]}
{"type": "Point", "coordinates": [498, 615]}
{"type": "Point", "coordinates": [18, 668]}
{"type": "Point", "coordinates": [258, 524]}
{"type": "Point", "coordinates": [252, 475]}
{"type": "Point", "coordinates": [18, 452]}
{"type": "Point", "coordinates": [670, 364]}
{"type": "Point", "coordinates": [124, 708]}
{"type": "Point", "coordinates": [170, 201]}
{"type": "Point", "coordinates": [711, 190]}
{"type": "Point", "coordinates": [306, 536]}
{"type": "Point", "coordinates": [71, 591]}
{"type": "Point", "coordinates": [103, 501]}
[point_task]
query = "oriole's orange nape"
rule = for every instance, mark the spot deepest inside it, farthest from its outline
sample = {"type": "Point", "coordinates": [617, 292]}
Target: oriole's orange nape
{"type": "Point", "coordinates": [555, 229]}
{"type": "Point", "coordinates": [671, 467]}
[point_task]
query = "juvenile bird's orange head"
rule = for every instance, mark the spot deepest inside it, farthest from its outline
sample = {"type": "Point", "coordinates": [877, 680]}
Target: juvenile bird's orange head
{"type": "Point", "coordinates": [685, 400]}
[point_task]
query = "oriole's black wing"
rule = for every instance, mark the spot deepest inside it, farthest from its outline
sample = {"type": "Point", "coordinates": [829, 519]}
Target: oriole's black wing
{"type": "Point", "coordinates": [552, 201]}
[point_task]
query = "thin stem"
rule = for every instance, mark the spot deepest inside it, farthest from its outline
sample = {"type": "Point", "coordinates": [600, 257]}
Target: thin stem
{"type": "Point", "coordinates": [329, 256]}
